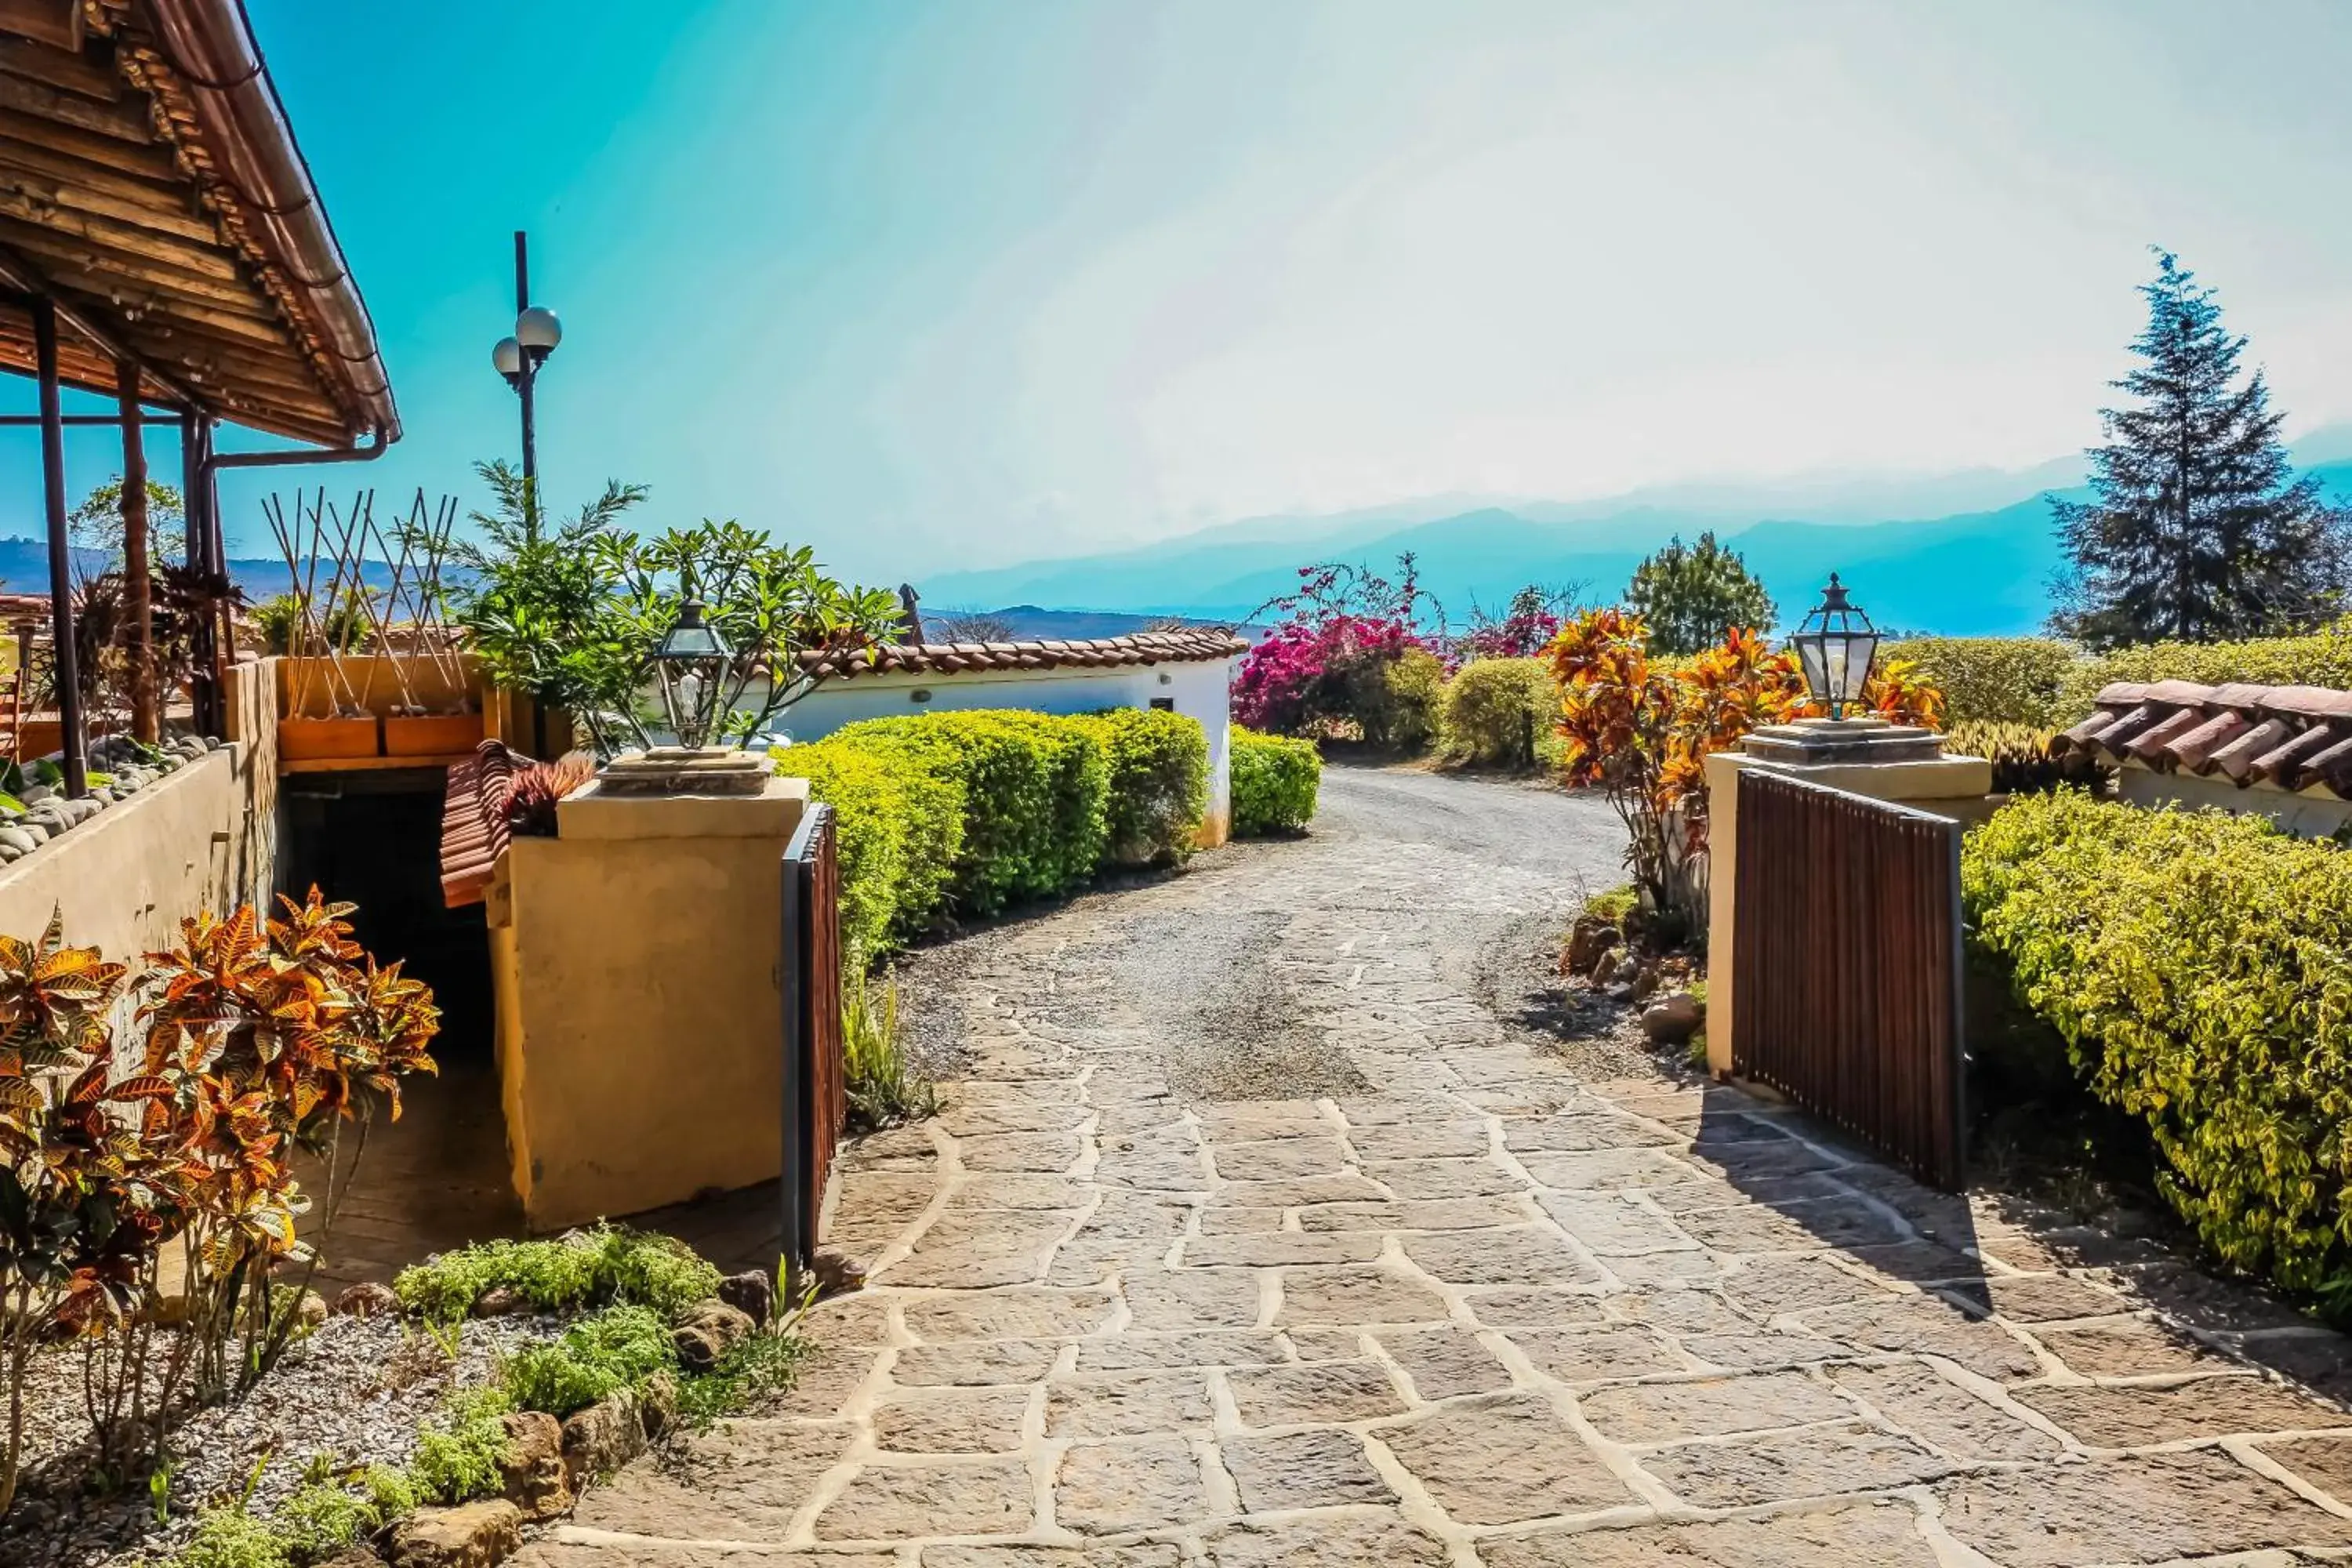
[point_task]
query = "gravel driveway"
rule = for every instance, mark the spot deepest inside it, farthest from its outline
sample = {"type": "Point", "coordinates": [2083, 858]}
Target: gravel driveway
{"type": "Point", "coordinates": [1250, 1234]}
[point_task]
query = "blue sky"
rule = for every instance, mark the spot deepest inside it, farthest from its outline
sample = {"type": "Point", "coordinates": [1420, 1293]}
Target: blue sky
{"type": "Point", "coordinates": [940, 285]}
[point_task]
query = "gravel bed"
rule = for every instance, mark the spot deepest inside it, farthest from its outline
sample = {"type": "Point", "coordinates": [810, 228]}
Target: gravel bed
{"type": "Point", "coordinates": [355, 1390]}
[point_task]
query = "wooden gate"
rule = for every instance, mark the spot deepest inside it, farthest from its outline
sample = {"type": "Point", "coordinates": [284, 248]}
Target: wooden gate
{"type": "Point", "coordinates": [1846, 966]}
{"type": "Point", "coordinates": [814, 1094]}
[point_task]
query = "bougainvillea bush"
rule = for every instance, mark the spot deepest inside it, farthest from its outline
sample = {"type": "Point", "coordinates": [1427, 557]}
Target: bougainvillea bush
{"type": "Point", "coordinates": [1643, 734]}
{"type": "Point", "coordinates": [1340, 663]}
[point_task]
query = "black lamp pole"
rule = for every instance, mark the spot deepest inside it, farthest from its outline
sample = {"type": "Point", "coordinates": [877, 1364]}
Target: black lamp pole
{"type": "Point", "coordinates": [530, 371]}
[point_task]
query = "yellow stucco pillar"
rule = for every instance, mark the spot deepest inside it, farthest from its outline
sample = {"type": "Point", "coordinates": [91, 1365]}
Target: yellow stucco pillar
{"type": "Point", "coordinates": [638, 956]}
{"type": "Point", "coordinates": [1912, 769]}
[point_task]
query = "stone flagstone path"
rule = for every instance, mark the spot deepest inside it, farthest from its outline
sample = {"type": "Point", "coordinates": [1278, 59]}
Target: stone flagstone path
{"type": "Point", "coordinates": [1466, 1310]}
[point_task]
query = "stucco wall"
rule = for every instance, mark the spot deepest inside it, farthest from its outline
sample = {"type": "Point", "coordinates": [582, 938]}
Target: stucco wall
{"type": "Point", "coordinates": [2316, 815]}
{"type": "Point", "coordinates": [638, 957]}
{"type": "Point", "coordinates": [202, 839]}
{"type": "Point", "coordinates": [1197, 689]}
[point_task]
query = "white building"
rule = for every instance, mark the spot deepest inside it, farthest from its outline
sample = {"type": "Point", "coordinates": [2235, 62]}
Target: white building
{"type": "Point", "coordinates": [1187, 670]}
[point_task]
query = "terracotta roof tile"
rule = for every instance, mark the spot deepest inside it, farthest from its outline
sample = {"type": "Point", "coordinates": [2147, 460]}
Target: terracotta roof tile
{"type": "Point", "coordinates": [1188, 644]}
{"type": "Point", "coordinates": [2293, 737]}
{"type": "Point", "coordinates": [474, 831]}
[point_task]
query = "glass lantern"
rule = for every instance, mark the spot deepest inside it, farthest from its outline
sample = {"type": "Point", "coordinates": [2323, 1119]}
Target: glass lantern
{"type": "Point", "coordinates": [1837, 646]}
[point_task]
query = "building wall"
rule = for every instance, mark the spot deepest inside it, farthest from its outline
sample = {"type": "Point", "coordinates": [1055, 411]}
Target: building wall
{"type": "Point", "coordinates": [2313, 814]}
{"type": "Point", "coordinates": [637, 960]}
{"type": "Point", "coordinates": [1199, 690]}
{"type": "Point", "coordinates": [200, 840]}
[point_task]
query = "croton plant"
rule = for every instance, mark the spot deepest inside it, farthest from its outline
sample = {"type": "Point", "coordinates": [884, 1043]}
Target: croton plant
{"type": "Point", "coordinates": [137, 1110]}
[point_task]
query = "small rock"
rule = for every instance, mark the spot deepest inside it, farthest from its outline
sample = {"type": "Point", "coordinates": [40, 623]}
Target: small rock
{"type": "Point", "coordinates": [352, 1557]}
{"type": "Point", "coordinates": [532, 1469]}
{"type": "Point", "coordinates": [365, 1299]}
{"type": "Point", "coordinates": [1646, 980]}
{"type": "Point", "coordinates": [1604, 968]}
{"type": "Point", "coordinates": [36, 794]}
{"type": "Point", "coordinates": [706, 1331]}
{"type": "Point", "coordinates": [751, 1292]}
{"type": "Point", "coordinates": [837, 1273]}
{"type": "Point", "coordinates": [1671, 1020]}
{"type": "Point", "coordinates": [1587, 941]}
{"type": "Point", "coordinates": [476, 1535]}
{"type": "Point", "coordinates": [657, 1404]}
{"type": "Point", "coordinates": [604, 1436]}
{"type": "Point", "coordinates": [499, 1301]}
{"type": "Point", "coordinates": [311, 1311]}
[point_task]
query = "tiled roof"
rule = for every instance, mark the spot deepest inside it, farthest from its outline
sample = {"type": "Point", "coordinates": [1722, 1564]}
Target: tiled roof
{"type": "Point", "coordinates": [2290, 737]}
{"type": "Point", "coordinates": [474, 831]}
{"type": "Point", "coordinates": [1187, 646]}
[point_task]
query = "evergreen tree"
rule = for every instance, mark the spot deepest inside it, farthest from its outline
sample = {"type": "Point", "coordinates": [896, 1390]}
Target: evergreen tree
{"type": "Point", "coordinates": [2199, 531]}
{"type": "Point", "coordinates": [1690, 594]}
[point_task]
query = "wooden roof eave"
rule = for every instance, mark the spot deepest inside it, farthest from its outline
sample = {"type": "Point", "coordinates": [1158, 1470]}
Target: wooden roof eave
{"type": "Point", "coordinates": [149, 186]}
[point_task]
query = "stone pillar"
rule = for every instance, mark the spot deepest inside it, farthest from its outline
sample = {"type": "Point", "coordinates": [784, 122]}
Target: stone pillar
{"type": "Point", "coordinates": [638, 956]}
{"type": "Point", "coordinates": [1861, 756]}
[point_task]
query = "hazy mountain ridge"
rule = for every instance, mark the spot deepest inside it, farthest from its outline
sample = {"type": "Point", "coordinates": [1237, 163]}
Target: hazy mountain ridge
{"type": "Point", "coordinates": [1980, 572]}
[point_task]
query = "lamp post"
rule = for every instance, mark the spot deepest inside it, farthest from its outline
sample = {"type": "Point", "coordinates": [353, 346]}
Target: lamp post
{"type": "Point", "coordinates": [690, 671]}
{"type": "Point", "coordinates": [518, 358]}
{"type": "Point", "coordinates": [1837, 646]}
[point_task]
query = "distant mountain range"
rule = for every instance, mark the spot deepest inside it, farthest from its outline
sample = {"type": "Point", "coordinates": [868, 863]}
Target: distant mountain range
{"type": "Point", "coordinates": [1983, 569]}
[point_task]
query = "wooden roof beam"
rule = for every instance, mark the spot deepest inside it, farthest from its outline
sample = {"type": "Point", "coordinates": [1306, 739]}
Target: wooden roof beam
{"type": "Point", "coordinates": [57, 23]}
{"type": "Point", "coordinates": [95, 326]}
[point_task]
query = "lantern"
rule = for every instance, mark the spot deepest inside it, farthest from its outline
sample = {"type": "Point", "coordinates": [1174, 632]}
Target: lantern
{"type": "Point", "coordinates": [1837, 646]}
{"type": "Point", "coordinates": [689, 671]}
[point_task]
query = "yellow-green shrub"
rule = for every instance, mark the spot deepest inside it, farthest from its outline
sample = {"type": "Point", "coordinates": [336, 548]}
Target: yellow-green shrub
{"type": "Point", "coordinates": [1405, 719]}
{"type": "Point", "coordinates": [1273, 780]}
{"type": "Point", "coordinates": [2199, 966]}
{"type": "Point", "coordinates": [2320, 658]}
{"type": "Point", "coordinates": [1498, 712]}
{"type": "Point", "coordinates": [1158, 792]}
{"type": "Point", "coordinates": [899, 827]}
{"type": "Point", "coordinates": [976, 810]}
{"type": "Point", "coordinates": [2000, 680]}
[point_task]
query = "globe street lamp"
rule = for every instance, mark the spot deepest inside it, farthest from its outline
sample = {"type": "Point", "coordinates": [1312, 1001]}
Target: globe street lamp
{"type": "Point", "coordinates": [518, 358]}
{"type": "Point", "coordinates": [1836, 644]}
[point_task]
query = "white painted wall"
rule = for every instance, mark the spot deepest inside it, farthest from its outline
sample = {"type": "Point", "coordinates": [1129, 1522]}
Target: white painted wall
{"type": "Point", "coordinates": [2315, 814]}
{"type": "Point", "coordinates": [1198, 689]}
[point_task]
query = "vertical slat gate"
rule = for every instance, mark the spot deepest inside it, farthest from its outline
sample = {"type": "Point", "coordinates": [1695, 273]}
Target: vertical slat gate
{"type": "Point", "coordinates": [815, 1102]}
{"type": "Point", "coordinates": [1846, 967]}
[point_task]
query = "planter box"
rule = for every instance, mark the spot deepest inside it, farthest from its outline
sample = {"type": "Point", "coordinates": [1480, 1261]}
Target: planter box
{"type": "Point", "coordinates": [312, 740]}
{"type": "Point", "coordinates": [431, 734]}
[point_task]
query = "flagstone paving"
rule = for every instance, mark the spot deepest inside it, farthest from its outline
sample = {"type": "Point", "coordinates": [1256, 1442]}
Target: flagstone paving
{"type": "Point", "coordinates": [1472, 1311]}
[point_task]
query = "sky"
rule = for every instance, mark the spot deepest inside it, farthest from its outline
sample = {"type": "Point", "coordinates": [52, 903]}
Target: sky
{"type": "Point", "coordinates": [933, 286]}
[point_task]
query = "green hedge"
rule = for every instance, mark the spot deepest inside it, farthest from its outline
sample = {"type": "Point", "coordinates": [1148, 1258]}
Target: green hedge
{"type": "Point", "coordinates": [2320, 658]}
{"type": "Point", "coordinates": [1274, 780]}
{"type": "Point", "coordinates": [2196, 963]}
{"type": "Point", "coordinates": [1994, 680]}
{"type": "Point", "coordinates": [1159, 765]}
{"type": "Point", "coordinates": [1500, 713]}
{"type": "Point", "coordinates": [971, 811]}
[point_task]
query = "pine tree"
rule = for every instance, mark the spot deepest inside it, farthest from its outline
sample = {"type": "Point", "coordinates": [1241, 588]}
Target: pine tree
{"type": "Point", "coordinates": [1690, 594]}
{"type": "Point", "coordinates": [2199, 532]}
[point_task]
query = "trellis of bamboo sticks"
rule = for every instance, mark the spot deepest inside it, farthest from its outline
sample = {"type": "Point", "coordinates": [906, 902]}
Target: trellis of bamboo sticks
{"type": "Point", "coordinates": [329, 628]}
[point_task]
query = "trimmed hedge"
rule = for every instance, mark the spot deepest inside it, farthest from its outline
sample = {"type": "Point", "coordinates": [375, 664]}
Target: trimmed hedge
{"type": "Point", "coordinates": [1994, 680]}
{"type": "Point", "coordinates": [1275, 780]}
{"type": "Point", "coordinates": [974, 811]}
{"type": "Point", "coordinates": [1500, 713]}
{"type": "Point", "coordinates": [1158, 796]}
{"type": "Point", "coordinates": [2320, 658]}
{"type": "Point", "coordinates": [2196, 965]}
